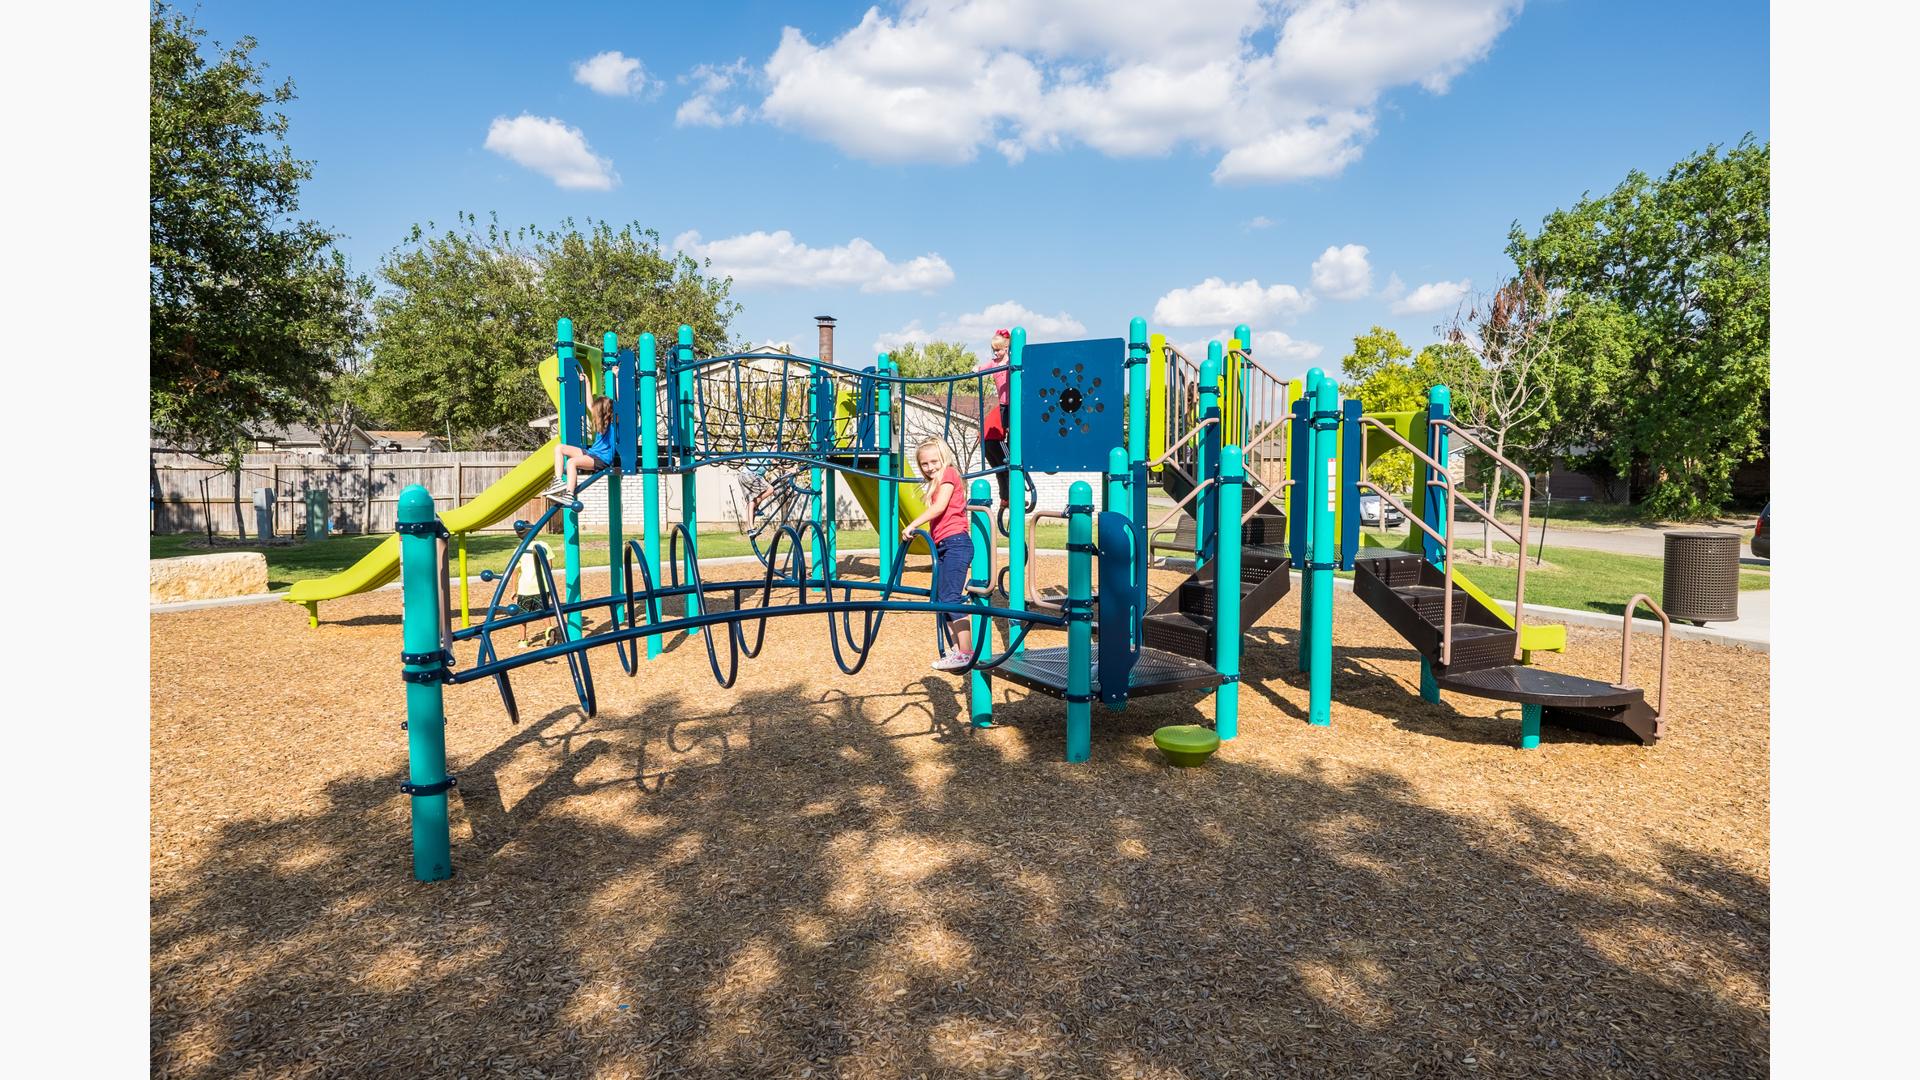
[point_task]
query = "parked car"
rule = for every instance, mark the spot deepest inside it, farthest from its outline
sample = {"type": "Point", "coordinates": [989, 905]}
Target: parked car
{"type": "Point", "coordinates": [1762, 539]}
{"type": "Point", "coordinates": [1371, 506]}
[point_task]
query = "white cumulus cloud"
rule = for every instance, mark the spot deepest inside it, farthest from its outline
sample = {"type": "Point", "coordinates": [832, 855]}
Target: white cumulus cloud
{"type": "Point", "coordinates": [1343, 273]}
{"type": "Point", "coordinates": [976, 328]}
{"type": "Point", "coordinates": [1433, 296]}
{"type": "Point", "coordinates": [1216, 301]}
{"type": "Point", "coordinates": [777, 259]}
{"type": "Point", "coordinates": [1273, 91]}
{"type": "Point", "coordinates": [615, 75]}
{"type": "Point", "coordinates": [553, 149]}
{"type": "Point", "coordinates": [1274, 350]}
{"type": "Point", "coordinates": [710, 83]}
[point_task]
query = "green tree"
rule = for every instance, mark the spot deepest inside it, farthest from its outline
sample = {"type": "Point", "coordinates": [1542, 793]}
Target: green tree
{"type": "Point", "coordinates": [935, 358]}
{"type": "Point", "coordinates": [251, 313]}
{"type": "Point", "coordinates": [471, 312]}
{"type": "Point", "coordinates": [1664, 284]}
{"type": "Point", "coordinates": [1377, 372]}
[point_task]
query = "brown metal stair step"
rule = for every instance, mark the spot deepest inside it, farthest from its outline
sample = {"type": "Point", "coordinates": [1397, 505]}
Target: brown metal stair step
{"type": "Point", "coordinates": [1180, 633]}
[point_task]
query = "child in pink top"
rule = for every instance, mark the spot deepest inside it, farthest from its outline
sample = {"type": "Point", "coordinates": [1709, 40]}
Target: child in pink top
{"type": "Point", "coordinates": [953, 547]}
{"type": "Point", "coordinates": [993, 424]}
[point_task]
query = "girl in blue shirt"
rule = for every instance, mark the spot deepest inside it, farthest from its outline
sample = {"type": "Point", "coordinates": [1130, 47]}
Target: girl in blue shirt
{"type": "Point", "coordinates": [571, 462]}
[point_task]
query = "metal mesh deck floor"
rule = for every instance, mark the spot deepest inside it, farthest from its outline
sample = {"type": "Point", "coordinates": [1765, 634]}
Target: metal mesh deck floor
{"type": "Point", "coordinates": [1157, 672]}
{"type": "Point", "coordinates": [1539, 686]}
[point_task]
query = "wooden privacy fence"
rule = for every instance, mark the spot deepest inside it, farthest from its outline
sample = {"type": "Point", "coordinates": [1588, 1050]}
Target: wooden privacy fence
{"type": "Point", "coordinates": [363, 490]}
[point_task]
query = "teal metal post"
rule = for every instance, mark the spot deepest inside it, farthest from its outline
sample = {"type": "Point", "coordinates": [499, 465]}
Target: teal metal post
{"type": "Point", "coordinates": [1118, 499]}
{"type": "Point", "coordinates": [1017, 480]}
{"type": "Point", "coordinates": [611, 388]}
{"type": "Point", "coordinates": [980, 521]}
{"type": "Point", "coordinates": [1433, 505]}
{"type": "Point", "coordinates": [1226, 598]}
{"type": "Point", "coordinates": [422, 622]}
{"type": "Point", "coordinates": [572, 425]}
{"type": "Point", "coordinates": [689, 482]}
{"type": "Point", "coordinates": [821, 397]}
{"type": "Point", "coordinates": [1206, 504]}
{"type": "Point", "coordinates": [1310, 390]}
{"type": "Point", "coordinates": [1530, 725]}
{"type": "Point", "coordinates": [649, 383]}
{"type": "Point", "coordinates": [1138, 357]}
{"type": "Point", "coordinates": [887, 528]}
{"type": "Point", "coordinates": [1320, 678]}
{"type": "Point", "coordinates": [1080, 630]}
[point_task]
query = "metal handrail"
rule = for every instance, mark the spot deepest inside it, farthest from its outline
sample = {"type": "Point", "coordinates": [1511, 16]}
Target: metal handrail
{"type": "Point", "coordinates": [1526, 510]}
{"type": "Point", "coordinates": [1445, 540]}
{"type": "Point", "coordinates": [1197, 429]}
{"type": "Point", "coordinates": [1626, 648]}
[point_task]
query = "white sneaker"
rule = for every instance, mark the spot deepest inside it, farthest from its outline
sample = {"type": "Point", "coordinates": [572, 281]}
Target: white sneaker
{"type": "Point", "coordinates": [953, 661]}
{"type": "Point", "coordinates": [561, 495]}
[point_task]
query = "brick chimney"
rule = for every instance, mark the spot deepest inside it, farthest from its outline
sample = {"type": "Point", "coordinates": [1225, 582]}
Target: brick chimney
{"type": "Point", "coordinates": [826, 337]}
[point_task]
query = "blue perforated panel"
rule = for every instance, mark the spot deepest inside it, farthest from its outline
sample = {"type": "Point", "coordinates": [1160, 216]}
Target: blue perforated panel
{"type": "Point", "coordinates": [1076, 404]}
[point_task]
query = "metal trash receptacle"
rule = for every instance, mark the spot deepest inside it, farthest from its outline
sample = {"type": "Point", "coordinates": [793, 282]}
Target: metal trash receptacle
{"type": "Point", "coordinates": [1701, 581]}
{"type": "Point", "coordinates": [319, 510]}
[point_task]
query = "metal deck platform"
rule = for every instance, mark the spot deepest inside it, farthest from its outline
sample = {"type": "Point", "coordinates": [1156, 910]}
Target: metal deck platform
{"type": "Point", "coordinates": [1538, 686]}
{"type": "Point", "coordinates": [1156, 672]}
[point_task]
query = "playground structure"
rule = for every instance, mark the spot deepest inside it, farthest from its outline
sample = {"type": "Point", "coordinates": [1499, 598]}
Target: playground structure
{"type": "Point", "coordinates": [1268, 471]}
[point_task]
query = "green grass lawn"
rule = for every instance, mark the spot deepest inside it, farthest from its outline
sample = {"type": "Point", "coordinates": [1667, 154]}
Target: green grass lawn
{"type": "Point", "coordinates": [1601, 515]}
{"type": "Point", "coordinates": [1585, 580]}
{"type": "Point", "coordinates": [288, 563]}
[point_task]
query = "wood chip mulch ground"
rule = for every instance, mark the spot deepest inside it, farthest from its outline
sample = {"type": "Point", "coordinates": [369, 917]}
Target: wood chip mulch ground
{"type": "Point", "coordinates": [813, 875]}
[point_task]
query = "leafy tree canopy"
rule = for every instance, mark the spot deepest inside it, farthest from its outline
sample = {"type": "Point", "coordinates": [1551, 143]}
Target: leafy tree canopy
{"type": "Point", "coordinates": [935, 358]}
{"type": "Point", "coordinates": [1377, 372]}
{"type": "Point", "coordinates": [1662, 290]}
{"type": "Point", "coordinates": [251, 312]}
{"type": "Point", "coordinates": [471, 312]}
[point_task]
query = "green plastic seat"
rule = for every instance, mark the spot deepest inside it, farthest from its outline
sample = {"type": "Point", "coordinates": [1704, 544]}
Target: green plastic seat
{"type": "Point", "coordinates": [1186, 745]}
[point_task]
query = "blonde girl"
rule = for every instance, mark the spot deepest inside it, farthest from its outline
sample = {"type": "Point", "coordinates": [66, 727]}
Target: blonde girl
{"type": "Point", "coordinates": [952, 547]}
{"type": "Point", "coordinates": [571, 462]}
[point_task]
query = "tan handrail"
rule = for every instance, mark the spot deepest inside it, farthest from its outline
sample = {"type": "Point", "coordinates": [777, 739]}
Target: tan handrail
{"type": "Point", "coordinates": [1445, 540]}
{"type": "Point", "coordinates": [1626, 648]}
{"type": "Point", "coordinates": [1168, 456]}
{"type": "Point", "coordinates": [1034, 603]}
{"type": "Point", "coordinates": [1493, 499]}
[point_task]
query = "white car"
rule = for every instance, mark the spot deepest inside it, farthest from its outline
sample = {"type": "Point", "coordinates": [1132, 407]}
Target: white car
{"type": "Point", "coordinates": [1371, 505]}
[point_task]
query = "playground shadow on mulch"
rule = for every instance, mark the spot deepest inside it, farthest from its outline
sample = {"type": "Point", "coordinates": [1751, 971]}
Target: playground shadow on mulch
{"type": "Point", "coordinates": [840, 877]}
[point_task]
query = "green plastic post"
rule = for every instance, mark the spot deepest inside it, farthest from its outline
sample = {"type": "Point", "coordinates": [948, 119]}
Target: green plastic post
{"type": "Point", "coordinates": [1017, 479]}
{"type": "Point", "coordinates": [980, 521]}
{"type": "Point", "coordinates": [1530, 725]}
{"type": "Point", "coordinates": [422, 623]}
{"type": "Point", "coordinates": [1429, 684]}
{"type": "Point", "coordinates": [689, 483]}
{"type": "Point", "coordinates": [888, 525]}
{"type": "Point", "coordinates": [649, 467]}
{"type": "Point", "coordinates": [610, 384]}
{"type": "Point", "coordinates": [1304, 652]}
{"type": "Point", "coordinates": [1206, 503]}
{"type": "Point", "coordinates": [1320, 678]}
{"type": "Point", "coordinates": [1117, 497]}
{"type": "Point", "coordinates": [1226, 597]}
{"type": "Point", "coordinates": [1080, 630]}
{"type": "Point", "coordinates": [1137, 400]}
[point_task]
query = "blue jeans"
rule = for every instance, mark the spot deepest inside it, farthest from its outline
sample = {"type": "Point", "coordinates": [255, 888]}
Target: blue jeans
{"type": "Point", "coordinates": [953, 561]}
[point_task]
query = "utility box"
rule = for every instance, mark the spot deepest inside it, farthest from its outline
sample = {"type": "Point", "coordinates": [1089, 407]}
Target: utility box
{"type": "Point", "coordinates": [263, 513]}
{"type": "Point", "coordinates": [319, 512]}
{"type": "Point", "coordinates": [1701, 580]}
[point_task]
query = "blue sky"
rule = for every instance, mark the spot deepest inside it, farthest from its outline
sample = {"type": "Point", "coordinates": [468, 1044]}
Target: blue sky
{"type": "Point", "coordinates": [939, 169]}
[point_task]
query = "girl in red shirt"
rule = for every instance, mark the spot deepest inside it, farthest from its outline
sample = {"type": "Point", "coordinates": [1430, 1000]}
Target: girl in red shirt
{"type": "Point", "coordinates": [952, 546]}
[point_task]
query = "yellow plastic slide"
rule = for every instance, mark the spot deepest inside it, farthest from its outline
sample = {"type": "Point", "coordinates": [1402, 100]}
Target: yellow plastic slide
{"type": "Point", "coordinates": [867, 491]}
{"type": "Point", "coordinates": [382, 564]}
{"type": "Point", "coordinates": [490, 507]}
